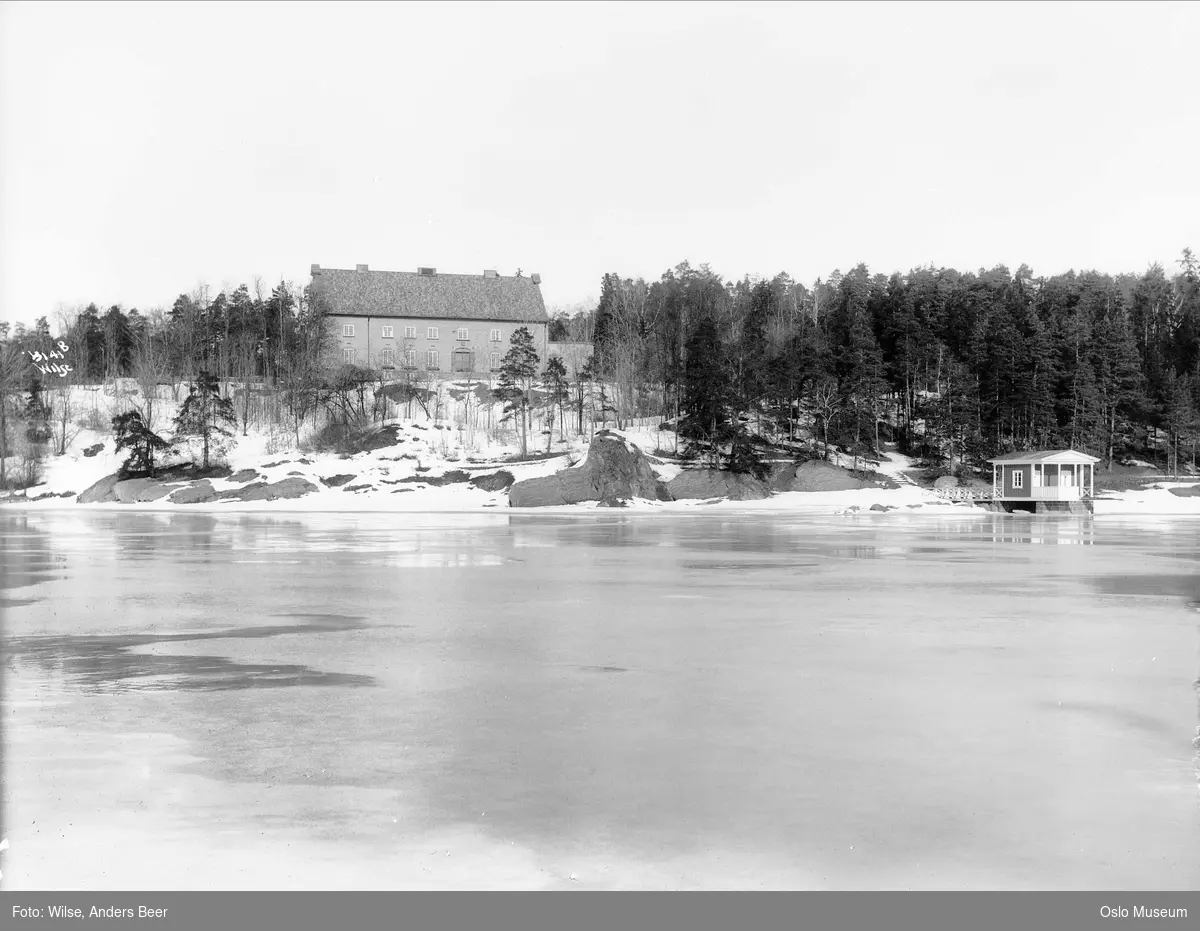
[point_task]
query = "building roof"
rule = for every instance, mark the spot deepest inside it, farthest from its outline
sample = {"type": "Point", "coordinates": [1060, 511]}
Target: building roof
{"type": "Point", "coordinates": [486, 296]}
{"type": "Point", "coordinates": [1067, 456]}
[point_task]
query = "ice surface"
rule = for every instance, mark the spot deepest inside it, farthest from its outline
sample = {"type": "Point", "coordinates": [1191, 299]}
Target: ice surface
{"type": "Point", "coordinates": [706, 699]}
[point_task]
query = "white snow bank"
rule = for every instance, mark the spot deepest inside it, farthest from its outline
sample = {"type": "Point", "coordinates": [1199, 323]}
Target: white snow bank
{"type": "Point", "coordinates": [1154, 500]}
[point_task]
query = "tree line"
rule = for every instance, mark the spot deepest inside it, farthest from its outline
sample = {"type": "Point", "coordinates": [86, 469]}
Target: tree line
{"type": "Point", "coordinates": [949, 364]}
{"type": "Point", "coordinates": [279, 339]}
{"type": "Point", "coordinates": [234, 336]}
{"type": "Point", "coordinates": [961, 365]}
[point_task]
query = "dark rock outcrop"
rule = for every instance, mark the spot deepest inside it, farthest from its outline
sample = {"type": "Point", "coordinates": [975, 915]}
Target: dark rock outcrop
{"type": "Point", "coordinates": [816, 475]}
{"type": "Point", "coordinates": [155, 491]}
{"type": "Point", "coordinates": [614, 469]}
{"type": "Point", "coordinates": [453, 477]}
{"type": "Point", "coordinates": [335, 481]}
{"type": "Point", "coordinates": [1186, 491]}
{"type": "Point", "coordinates": [53, 494]}
{"type": "Point", "coordinates": [286, 488]}
{"type": "Point", "coordinates": [381, 438]}
{"type": "Point", "coordinates": [782, 475]}
{"type": "Point", "coordinates": [715, 483]}
{"type": "Point", "coordinates": [493, 481]}
{"type": "Point", "coordinates": [243, 476]}
{"type": "Point", "coordinates": [238, 494]}
{"type": "Point", "coordinates": [194, 494]}
{"type": "Point", "coordinates": [127, 491]}
{"type": "Point", "coordinates": [101, 492]}
{"type": "Point", "coordinates": [93, 450]}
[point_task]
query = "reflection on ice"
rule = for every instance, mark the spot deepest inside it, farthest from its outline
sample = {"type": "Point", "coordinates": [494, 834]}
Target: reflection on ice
{"type": "Point", "coordinates": [418, 560]}
{"type": "Point", "coordinates": [1014, 528]}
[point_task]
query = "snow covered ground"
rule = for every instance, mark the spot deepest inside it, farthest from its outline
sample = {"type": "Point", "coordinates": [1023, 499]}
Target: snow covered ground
{"type": "Point", "coordinates": [388, 479]}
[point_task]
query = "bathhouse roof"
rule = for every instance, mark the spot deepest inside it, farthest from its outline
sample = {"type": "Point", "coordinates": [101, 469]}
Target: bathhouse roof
{"type": "Point", "coordinates": [1060, 456]}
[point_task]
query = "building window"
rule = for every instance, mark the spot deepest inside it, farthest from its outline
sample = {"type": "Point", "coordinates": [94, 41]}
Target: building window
{"type": "Point", "coordinates": [431, 360]}
{"type": "Point", "coordinates": [462, 333]}
{"type": "Point", "coordinates": [495, 336]}
{"type": "Point", "coordinates": [389, 357]}
{"type": "Point", "coordinates": [410, 358]}
{"type": "Point", "coordinates": [410, 332]}
{"type": "Point", "coordinates": [348, 355]}
{"type": "Point", "coordinates": [494, 361]}
{"type": "Point", "coordinates": [1018, 479]}
{"type": "Point", "coordinates": [431, 332]}
{"type": "Point", "coordinates": [347, 329]}
{"type": "Point", "coordinates": [387, 332]}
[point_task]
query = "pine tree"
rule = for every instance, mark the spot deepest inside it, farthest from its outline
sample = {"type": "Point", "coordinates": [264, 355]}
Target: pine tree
{"type": "Point", "coordinates": [37, 415]}
{"type": "Point", "coordinates": [518, 369]}
{"type": "Point", "coordinates": [604, 331]}
{"type": "Point", "coordinates": [1118, 373]}
{"type": "Point", "coordinates": [132, 433]}
{"type": "Point", "coordinates": [205, 413]}
{"type": "Point", "coordinates": [1180, 416]}
{"type": "Point", "coordinates": [555, 378]}
{"type": "Point", "coordinates": [707, 392]}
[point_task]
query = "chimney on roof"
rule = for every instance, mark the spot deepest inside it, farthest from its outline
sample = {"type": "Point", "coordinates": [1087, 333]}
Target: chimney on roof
{"type": "Point", "coordinates": [422, 270]}
{"type": "Point", "coordinates": [490, 273]}
{"type": "Point", "coordinates": [535, 278]}
{"type": "Point", "coordinates": [360, 268]}
{"type": "Point", "coordinates": [314, 269]}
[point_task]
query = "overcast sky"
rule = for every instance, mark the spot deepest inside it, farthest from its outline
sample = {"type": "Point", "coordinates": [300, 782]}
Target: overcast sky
{"type": "Point", "coordinates": [151, 146]}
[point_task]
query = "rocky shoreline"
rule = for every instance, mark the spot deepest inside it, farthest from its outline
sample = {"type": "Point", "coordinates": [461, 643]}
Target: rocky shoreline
{"type": "Point", "coordinates": [613, 473]}
{"type": "Point", "coordinates": [609, 472]}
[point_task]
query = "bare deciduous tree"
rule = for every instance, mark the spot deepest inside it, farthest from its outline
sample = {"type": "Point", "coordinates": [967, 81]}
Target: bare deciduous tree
{"type": "Point", "coordinates": [62, 422]}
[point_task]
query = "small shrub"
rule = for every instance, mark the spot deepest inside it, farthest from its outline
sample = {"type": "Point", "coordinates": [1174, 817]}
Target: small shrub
{"type": "Point", "coordinates": [95, 419]}
{"type": "Point", "coordinates": [278, 441]}
{"type": "Point", "coordinates": [330, 437]}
